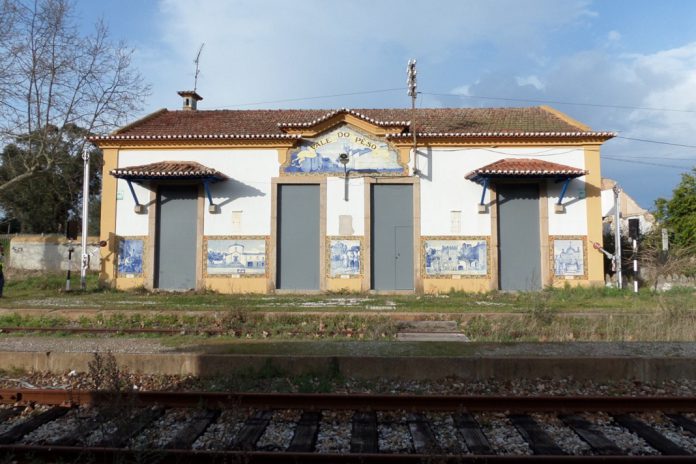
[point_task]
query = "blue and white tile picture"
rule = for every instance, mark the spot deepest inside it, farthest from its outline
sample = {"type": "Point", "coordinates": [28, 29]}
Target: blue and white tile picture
{"type": "Point", "coordinates": [456, 257]}
{"type": "Point", "coordinates": [236, 257]}
{"type": "Point", "coordinates": [568, 258]}
{"type": "Point", "coordinates": [366, 154]}
{"type": "Point", "coordinates": [345, 257]}
{"type": "Point", "coordinates": [130, 256]}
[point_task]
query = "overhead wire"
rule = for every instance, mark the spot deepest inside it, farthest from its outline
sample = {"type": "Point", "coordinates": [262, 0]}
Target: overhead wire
{"type": "Point", "coordinates": [529, 100]}
{"type": "Point", "coordinates": [560, 102]}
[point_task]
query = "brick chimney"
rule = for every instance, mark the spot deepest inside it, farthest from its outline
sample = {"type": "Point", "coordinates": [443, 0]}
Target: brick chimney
{"type": "Point", "coordinates": [191, 98]}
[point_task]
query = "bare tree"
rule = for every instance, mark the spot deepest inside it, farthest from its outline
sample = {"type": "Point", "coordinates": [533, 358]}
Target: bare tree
{"type": "Point", "coordinates": [53, 77]}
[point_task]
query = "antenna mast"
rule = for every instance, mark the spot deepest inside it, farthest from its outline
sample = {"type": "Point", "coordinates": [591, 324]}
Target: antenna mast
{"type": "Point", "coordinates": [198, 70]}
{"type": "Point", "coordinates": [411, 82]}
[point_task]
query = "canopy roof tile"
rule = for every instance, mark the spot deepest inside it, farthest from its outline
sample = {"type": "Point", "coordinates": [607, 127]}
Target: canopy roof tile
{"type": "Point", "coordinates": [516, 167]}
{"type": "Point", "coordinates": [168, 170]}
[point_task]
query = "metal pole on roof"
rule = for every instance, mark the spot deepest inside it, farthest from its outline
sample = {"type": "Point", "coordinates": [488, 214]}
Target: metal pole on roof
{"type": "Point", "coordinates": [85, 219]}
{"type": "Point", "coordinates": [412, 84]}
{"type": "Point", "coordinates": [617, 235]}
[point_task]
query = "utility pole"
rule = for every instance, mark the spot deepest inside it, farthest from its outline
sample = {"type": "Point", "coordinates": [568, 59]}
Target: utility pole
{"type": "Point", "coordinates": [85, 218]}
{"type": "Point", "coordinates": [412, 83]}
{"type": "Point", "coordinates": [617, 235]}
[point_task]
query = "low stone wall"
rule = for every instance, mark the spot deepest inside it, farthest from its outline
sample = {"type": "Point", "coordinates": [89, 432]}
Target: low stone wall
{"type": "Point", "coordinates": [50, 253]}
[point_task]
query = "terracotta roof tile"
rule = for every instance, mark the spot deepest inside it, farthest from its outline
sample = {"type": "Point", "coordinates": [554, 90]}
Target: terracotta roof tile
{"type": "Point", "coordinates": [168, 169]}
{"type": "Point", "coordinates": [516, 167]}
{"type": "Point", "coordinates": [260, 124]}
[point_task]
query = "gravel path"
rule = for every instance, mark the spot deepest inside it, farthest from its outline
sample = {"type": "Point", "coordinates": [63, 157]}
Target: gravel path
{"type": "Point", "coordinates": [82, 344]}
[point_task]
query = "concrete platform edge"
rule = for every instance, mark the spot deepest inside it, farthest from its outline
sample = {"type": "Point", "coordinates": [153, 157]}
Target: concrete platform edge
{"type": "Point", "coordinates": [645, 369]}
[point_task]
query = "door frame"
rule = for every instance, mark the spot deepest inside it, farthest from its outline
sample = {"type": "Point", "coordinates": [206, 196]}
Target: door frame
{"type": "Point", "coordinates": [149, 263]}
{"type": "Point", "coordinates": [417, 252]}
{"type": "Point", "coordinates": [276, 182]}
{"type": "Point", "coordinates": [545, 278]}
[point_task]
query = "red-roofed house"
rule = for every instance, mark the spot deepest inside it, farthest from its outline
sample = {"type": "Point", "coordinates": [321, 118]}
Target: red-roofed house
{"type": "Point", "coordinates": [324, 200]}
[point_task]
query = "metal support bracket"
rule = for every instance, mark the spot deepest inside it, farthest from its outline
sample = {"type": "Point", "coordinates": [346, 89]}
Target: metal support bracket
{"type": "Point", "coordinates": [482, 205]}
{"type": "Point", "coordinates": [139, 208]}
{"type": "Point", "coordinates": [559, 205]}
{"type": "Point", "coordinates": [212, 207]}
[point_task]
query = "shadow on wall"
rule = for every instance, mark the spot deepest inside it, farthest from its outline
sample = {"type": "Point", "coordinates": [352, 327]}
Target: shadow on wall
{"type": "Point", "coordinates": [233, 190]}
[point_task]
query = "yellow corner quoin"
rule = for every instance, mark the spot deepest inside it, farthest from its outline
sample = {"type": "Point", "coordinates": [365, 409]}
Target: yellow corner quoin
{"type": "Point", "coordinates": [108, 218]}
{"type": "Point", "coordinates": [565, 132]}
{"type": "Point", "coordinates": [593, 189]}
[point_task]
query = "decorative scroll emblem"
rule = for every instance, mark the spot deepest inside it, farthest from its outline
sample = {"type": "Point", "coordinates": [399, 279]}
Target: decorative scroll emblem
{"type": "Point", "coordinates": [365, 154]}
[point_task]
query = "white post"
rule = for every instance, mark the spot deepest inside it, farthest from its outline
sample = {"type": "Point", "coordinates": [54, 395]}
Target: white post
{"type": "Point", "coordinates": [85, 219]}
{"type": "Point", "coordinates": [635, 265]}
{"type": "Point", "coordinates": [617, 235]}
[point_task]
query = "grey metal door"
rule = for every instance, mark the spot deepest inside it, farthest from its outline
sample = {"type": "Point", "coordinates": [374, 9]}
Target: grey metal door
{"type": "Point", "coordinates": [298, 237]}
{"type": "Point", "coordinates": [175, 252]}
{"type": "Point", "coordinates": [392, 237]}
{"type": "Point", "coordinates": [519, 256]}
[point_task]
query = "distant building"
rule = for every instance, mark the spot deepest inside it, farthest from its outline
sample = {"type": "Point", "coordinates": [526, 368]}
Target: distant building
{"type": "Point", "coordinates": [629, 209]}
{"type": "Point", "coordinates": [325, 200]}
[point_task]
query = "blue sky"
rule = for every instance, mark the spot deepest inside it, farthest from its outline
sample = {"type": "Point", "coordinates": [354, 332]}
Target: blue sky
{"type": "Point", "coordinates": [267, 53]}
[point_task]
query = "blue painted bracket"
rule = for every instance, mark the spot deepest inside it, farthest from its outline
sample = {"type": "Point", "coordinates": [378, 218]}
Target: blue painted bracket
{"type": "Point", "coordinates": [135, 198]}
{"type": "Point", "coordinates": [485, 187]}
{"type": "Point", "coordinates": [563, 190]}
{"type": "Point", "coordinates": [206, 186]}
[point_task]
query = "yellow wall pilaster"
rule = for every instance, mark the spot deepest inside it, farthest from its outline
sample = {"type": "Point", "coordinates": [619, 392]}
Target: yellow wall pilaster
{"type": "Point", "coordinates": [108, 217]}
{"type": "Point", "coordinates": [593, 192]}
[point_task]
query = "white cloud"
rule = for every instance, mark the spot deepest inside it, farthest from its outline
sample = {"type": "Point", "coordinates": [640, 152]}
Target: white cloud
{"type": "Point", "coordinates": [274, 49]}
{"type": "Point", "coordinates": [534, 81]}
{"type": "Point", "coordinates": [614, 36]}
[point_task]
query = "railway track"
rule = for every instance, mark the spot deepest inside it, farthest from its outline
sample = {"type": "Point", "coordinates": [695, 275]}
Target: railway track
{"type": "Point", "coordinates": [85, 426]}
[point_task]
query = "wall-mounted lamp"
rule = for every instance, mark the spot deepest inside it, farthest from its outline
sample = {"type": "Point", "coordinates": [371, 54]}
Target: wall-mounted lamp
{"type": "Point", "coordinates": [343, 159]}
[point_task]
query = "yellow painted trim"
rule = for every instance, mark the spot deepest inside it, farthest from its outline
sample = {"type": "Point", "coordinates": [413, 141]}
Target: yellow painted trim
{"type": "Point", "coordinates": [546, 272]}
{"type": "Point", "coordinates": [188, 144]}
{"type": "Point", "coordinates": [151, 237]}
{"type": "Point", "coordinates": [545, 277]}
{"type": "Point", "coordinates": [273, 243]}
{"type": "Point", "coordinates": [436, 286]}
{"type": "Point", "coordinates": [593, 201]}
{"type": "Point", "coordinates": [417, 258]}
{"type": "Point", "coordinates": [228, 286]}
{"type": "Point", "coordinates": [494, 251]}
{"type": "Point", "coordinates": [470, 142]}
{"type": "Point", "coordinates": [107, 226]}
{"type": "Point", "coordinates": [565, 117]}
{"type": "Point", "coordinates": [343, 285]}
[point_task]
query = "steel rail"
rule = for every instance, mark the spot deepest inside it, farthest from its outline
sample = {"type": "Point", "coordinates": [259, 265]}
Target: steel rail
{"type": "Point", "coordinates": [110, 455]}
{"type": "Point", "coordinates": [318, 401]}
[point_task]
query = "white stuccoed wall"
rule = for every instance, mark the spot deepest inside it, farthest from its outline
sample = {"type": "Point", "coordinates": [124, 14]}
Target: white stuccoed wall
{"type": "Point", "coordinates": [248, 191]}
{"type": "Point", "coordinates": [36, 252]}
{"type": "Point", "coordinates": [337, 206]}
{"type": "Point", "coordinates": [445, 189]}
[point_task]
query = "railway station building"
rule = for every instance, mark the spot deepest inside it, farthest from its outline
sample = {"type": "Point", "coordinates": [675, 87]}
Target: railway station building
{"type": "Point", "coordinates": [267, 201]}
